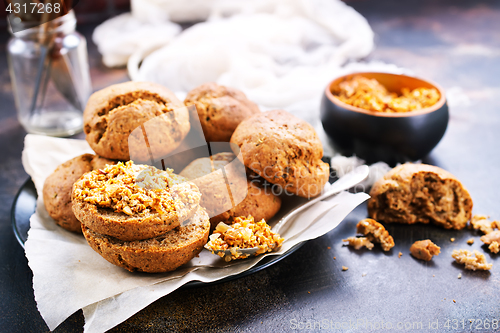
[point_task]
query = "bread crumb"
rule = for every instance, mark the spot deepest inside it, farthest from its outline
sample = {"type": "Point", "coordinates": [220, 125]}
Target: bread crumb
{"type": "Point", "coordinates": [481, 222]}
{"type": "Point", "coordinates": [308, 292]}
{"type": "Point", "coordinates": [345, 268]}
{"type": "Point", "coordinates": [493, 240]}
{"type": "Point", "coordinates": [400, 254]}
{"type": "Point", "coordinates": [433, 275]}
{"type": "Point", "coordinates": [454, 301]}
{"type": "Point", "coordinates": [478, 261]}
{"type": "Point", "coordinates": [334, 258]}
{"type": "Point", "coordinates": [459, 275]}
{"type": "Point", "coordinates": [363, 275]}
{"type": "Point", "coordinates": [375, 232]}
{"type": "Point", "coordinates": [243, 233]}
{"type": "Point", "coordinates": [329, 248]}
{"type": "Point", "coordinates": [452, 239]}
{"type": "Point", "coordinates": [424, 249]}
{"type": "Point", "coordinates": [359, 242]}
{"type": "Point", "coordinates": [470, 241]}
{"type": "Point", "coordinates": [494, 247]}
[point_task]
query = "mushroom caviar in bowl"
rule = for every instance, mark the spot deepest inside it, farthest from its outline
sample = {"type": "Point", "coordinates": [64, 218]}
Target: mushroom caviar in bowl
{"type": "Point", "coordinates": [384, 117]}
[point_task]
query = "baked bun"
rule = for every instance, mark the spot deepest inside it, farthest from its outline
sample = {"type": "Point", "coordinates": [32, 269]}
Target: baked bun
{"type": "Point", "coordinates": [162, 253]}
{"type": "Point", "coordinates": [133, 202]}
{"type": "Point", "coordinates": [58, 186]}
{"type": "Point", "coordinates": [113, 113]}
{"type": "Point", "coordinates": [284, 150]}
{"type": "Point", "coordinates": [220, 110]}
{"type": "Point", "coordinates": [250, 199]}
{"type": "Point", "coordinates": [412, 193]}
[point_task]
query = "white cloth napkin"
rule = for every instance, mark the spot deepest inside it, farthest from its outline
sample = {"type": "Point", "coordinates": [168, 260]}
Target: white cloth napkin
{"type": "Point", "coordinates": [68, 275]}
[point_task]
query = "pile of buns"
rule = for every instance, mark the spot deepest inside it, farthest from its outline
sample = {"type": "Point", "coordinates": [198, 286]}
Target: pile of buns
{"type": "Point", "coordinates": [273, 146]}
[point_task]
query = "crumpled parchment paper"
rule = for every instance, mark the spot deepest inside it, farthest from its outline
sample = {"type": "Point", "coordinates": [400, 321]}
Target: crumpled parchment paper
{"type": "Point", "coordinates": [68, 275]}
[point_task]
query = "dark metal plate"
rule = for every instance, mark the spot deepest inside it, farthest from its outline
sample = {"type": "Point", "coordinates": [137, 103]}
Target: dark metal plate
{"type": "Point", "coordinates": [25, 204]}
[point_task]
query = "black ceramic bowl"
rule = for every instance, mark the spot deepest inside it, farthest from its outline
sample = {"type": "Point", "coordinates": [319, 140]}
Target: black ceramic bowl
{"type": "Point", "coordinates": [380, 136]}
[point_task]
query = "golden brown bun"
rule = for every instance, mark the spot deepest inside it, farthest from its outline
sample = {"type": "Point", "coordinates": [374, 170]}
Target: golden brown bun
{"type": "Point", "coordinates": [258, 202]}
{"type": "Point", "coordinates": [114, 112]}
{"type": "Point", "coordinates": [163, 253]}
{"type": "Point", "coordinates": [412, 193]}
{"type": "Point", "coordinates": [284, 150]}
{"type": "Point", "coordinates": [220, 110]}
{"type": "Point", "coordinates": [58, 186]}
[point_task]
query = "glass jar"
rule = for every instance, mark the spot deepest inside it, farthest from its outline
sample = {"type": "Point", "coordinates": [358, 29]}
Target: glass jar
{"type": "Point", "coordinates": [50, 76]}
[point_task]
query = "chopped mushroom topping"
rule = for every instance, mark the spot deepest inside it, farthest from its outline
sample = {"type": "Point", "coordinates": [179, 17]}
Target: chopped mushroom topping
{"type": "Point", "coordinates": [359, 242]}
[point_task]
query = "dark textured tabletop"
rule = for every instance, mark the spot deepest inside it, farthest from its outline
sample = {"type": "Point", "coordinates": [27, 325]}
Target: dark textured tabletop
{"type": "Point", "coordinates": [455, 43]}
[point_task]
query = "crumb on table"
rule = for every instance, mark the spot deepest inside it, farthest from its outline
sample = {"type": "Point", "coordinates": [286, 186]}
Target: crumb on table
{"type": "Point", "coordinates": [459, 275]}
{"type": "Point", "coordinates": [424, 249]}
{"type": "Point", "coordinates": [400, 254]}
{"type": "Point", "coordinates": [470, 241]}
{"type": "Point", "coordinates": [481, 222]}
{"type": "Point", "coordinates": [493, 240]}
{"type": "Point", "coordinates": [452, 239]}
{"type": "Point", "coordinates": [359, 242]}
{"type": "Point", "coordinates": [494, 247]}
{"type": "Point", "coordinates": [472, 260]}
{"type": "Point", "coordinates": [243, 233]}
{"type": "Point", "coordinates": [345, 268]}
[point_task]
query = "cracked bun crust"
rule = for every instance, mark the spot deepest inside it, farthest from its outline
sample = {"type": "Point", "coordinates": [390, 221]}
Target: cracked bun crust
{"type": "Point", "coordinates": [412, 193]}
{"type": "Point", "coordinates": [220, 110]}
{"type": "Point", "coordinates": [114, 112]}
{"type": "Point", "coordinates": [59, 185]}
{"type": "Point", "coordinates": [162, 253]}
{"type": "Point", "coordinates": [284, 150]}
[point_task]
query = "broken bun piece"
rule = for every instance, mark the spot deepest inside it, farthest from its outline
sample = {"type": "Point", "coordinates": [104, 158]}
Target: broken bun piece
{"type": "Point", "coordinates": [284, 150]}
{"type": "Point", "coordinates": [420, 193]}
{"type": "Point", "coordinates": [220, 110]}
